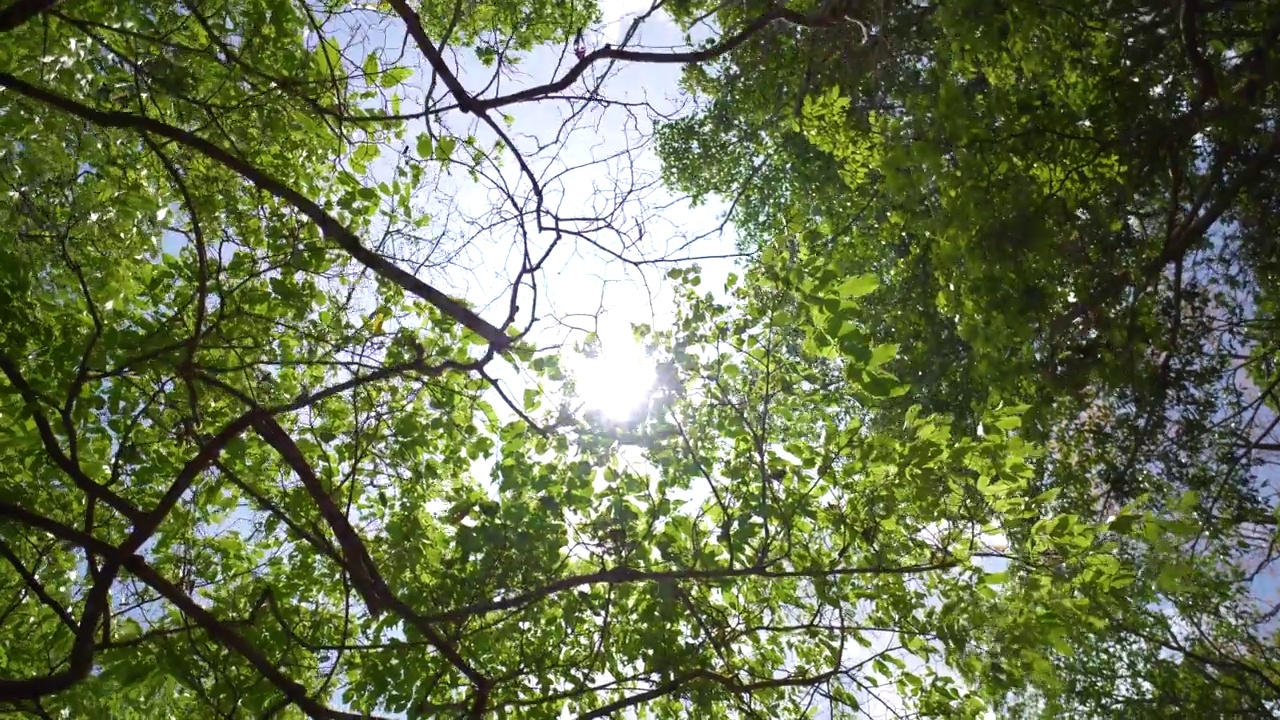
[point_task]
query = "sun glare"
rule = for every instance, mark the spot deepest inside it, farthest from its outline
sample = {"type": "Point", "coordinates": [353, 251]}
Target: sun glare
{"type": "Point", "coordinates": [616, 380]}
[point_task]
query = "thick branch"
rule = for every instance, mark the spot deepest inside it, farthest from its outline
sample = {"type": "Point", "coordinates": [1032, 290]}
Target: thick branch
{"type": "Point", "coordinates": [413, 23]}
{"type": "Point", "coordinates": [364, 573]}
{"type": "Point", "coordinates": [359, 563]}
{"type": "Point", "coordinates": [623, 575]}
{"type": "Point", "coordinates": [1189, 22]}
{"type": "Point", "coordinates": [217, 629]}
{"type": "Point", "coordinates": [54, 449]}
{"type": "Point", "coordinates": [724, 47]}
{"type": "Point", "coordinates": [729, 683]}
{"type": "Point", "coordinates": [17, 13]}
{"type": "Point", "coordinates": [328, 224]}
{"type": "Point", "coordinates": [1188, 234]}
{"type": "Point", "coordinates": [79, 662]}
{"type": "Point", "coordinates": [208, 453]}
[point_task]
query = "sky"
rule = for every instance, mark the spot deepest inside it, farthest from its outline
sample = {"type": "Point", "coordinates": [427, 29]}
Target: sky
{"type": "Point", "coordinates": [590, 162]}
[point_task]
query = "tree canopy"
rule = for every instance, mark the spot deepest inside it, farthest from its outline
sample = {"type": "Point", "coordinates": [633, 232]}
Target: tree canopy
{"type": "Point", "coordinates": [982, 423]}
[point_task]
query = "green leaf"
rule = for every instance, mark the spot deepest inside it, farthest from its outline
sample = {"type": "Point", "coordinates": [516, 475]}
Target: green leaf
{"type": "Point", "coordinates": [1048, 496]}
{"type": "Point", "coordinates": [425, 146]}
{"type": "Point", "coordinates": [857, 286]}
{"type": "Point", "coordinates": [445, 147]}
{"type": "Point", "coordinates": [394, 76]}
{"type": "Point", "coordinates": [330, 55]}
{"type": "Point", "coordinates": [1170, 578]}
{"type": "Point", "coordinates": [1122, 524]}
{"type": "Point", "coordinates": [1010, 422]}
{"type": "Point", "coordinates": [1189, 501]}
{"type": "Point", "coordinates": [882, 354]}
{"type": "Point", "coordinates": [364, 154]}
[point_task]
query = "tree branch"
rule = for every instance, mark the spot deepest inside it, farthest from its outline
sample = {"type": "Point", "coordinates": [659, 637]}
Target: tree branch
{"type": "Point", "coordinates": [623, 575]}
{"type": "Point", "coordinates": [19, 12]}
{"type": "Point", "coordinates": [54, 449]}
{"type": "Point", "coordinates": [329, 226]}
{"type": "Point", "coordinates": [217, 629]}
{"type": "Point", "coordinates": [364, 574]}
{"type": "Point", "coordinates": [724, 47]}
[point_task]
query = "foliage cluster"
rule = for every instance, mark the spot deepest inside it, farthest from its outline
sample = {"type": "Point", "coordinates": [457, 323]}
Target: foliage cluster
{"type": "Point", "coordinates": [981, 425]}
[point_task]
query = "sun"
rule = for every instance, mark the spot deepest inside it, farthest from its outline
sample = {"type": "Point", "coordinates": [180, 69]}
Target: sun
{"type": "Point", "coordinates": [615, 378]}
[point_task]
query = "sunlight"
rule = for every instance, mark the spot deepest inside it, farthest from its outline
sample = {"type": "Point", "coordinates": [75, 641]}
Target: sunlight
{"type": "Point", "coordinates": [615, 379]}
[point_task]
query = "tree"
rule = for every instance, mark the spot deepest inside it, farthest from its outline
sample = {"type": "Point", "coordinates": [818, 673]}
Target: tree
{"type": "Point", "coordinates": [1063, 205]}
{"type": "Point", "coordinates": [259, 461]}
